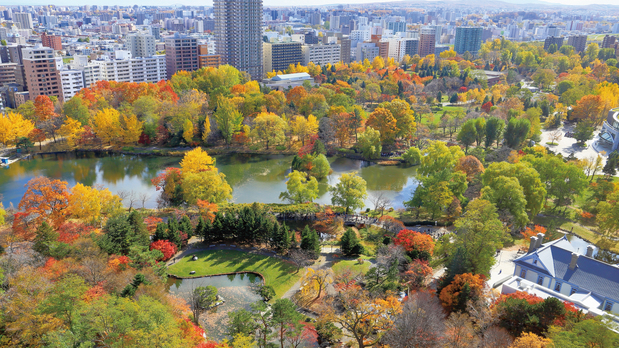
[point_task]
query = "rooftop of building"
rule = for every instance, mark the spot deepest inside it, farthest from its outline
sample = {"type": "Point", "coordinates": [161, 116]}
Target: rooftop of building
{"type": "Point", "coordinates": [553, 259]}
{"type": "Point", "coordinates": [288, 77]}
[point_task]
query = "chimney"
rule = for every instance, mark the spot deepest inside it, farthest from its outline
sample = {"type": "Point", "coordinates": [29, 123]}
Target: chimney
{"type": "Point", "coordinates": [533, 244]}
{"type": "Point", "coordinates": [573, 262]}
{"type": "Point", "coordinates": [590, 249]}
{"type": "Point", "coordinates": [540, 239]}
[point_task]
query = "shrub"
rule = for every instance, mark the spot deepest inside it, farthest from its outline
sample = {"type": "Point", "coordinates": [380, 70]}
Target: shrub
{"type": "Point", "coordinates": [280, 148]}
{"type": "Point", "coordinates": [167, 248]}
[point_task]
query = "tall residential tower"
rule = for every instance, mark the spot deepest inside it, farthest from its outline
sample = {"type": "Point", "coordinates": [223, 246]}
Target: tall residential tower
{"type": "Point", "coordinates": [238, 34]}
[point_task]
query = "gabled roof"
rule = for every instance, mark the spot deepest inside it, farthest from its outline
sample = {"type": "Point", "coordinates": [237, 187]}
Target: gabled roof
{"type": "Point", "coordinates": [590, 275]}
{"type": "Point", "coordinates": [290, 76]}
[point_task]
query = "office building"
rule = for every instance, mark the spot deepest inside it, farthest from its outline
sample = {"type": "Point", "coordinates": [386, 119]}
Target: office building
{"type": "Point", "coordinates": [345, 47]}
{"type": "Point", "coordinates": [51, 41]}
{"type": "Point", "coordinates": [411, 47]}
{"type": "Point", "coordinates": [141, 45]}
{"type": "Point", "coordinates": [181, 54]}
{"type": "Point", "coordinates": [468, 39]}
{"type": "Point", "coordinates": [238, 34]}
{"type": "Point", "coordinates": [23, 20]}
{"type": "Point", "coordinates": [321, 54]}
{"type": "Point", "coordinates": [72, 82]}
{"type": "Point", "coordinates": [553, 40]}
{"type": "Point", "coordinates": [128, 69]}
{"type": "Point", "coordinates": [427, 41]}
{"type": "Point", "coordinates": [314, 18]}
{"type": "Point", "coordinates": [41, 72]}
{"type": "Point", "coordinates": [277, 56]}
{"type": "Point", "coordinates": [579, 42]}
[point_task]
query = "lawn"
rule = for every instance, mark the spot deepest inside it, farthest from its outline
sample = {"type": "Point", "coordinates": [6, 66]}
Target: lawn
{"type": "Point", "coordinates": [277, 273]}
{"type": "Point", "coordinates": [577, 229]}
{"type": "Point", "coordinates": [438, 114]}
{"type": "Point", "coordinates": [354, 265]}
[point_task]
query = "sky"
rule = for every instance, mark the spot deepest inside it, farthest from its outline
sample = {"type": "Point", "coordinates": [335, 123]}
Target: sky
{"type": "Point", "coordinates": [266, 2]}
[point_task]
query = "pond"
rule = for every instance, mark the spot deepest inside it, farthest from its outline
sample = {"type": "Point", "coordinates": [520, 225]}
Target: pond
{"type": "Point", "coordinates": [236, 290]}
{"type": "Point", "coordinates": [253, 178]}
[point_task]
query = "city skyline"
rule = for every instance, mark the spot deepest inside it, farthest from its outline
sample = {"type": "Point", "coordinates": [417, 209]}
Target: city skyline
{"type": "Point", "coordinates": [283, 3]}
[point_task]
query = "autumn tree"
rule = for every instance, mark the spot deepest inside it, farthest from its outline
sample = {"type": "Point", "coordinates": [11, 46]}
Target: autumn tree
{"type": "Point", "coordinates": [420, 323]}
{"type": "Point", "coordinates": [106, 125]}
{"type": "Point", "coordinates": [471, 166]}
{"type": "Point", "coordinates": [438, 156]}
{"type": "Point", "coordinates": [589, 108]}
{"type": "Point", "coordinates": [417, 245]}
{"type": "Point", "coordinates": [300, 188]}
{"type": "Point", "coordinates": [304, 128]}
{"type": "Point", "coordinates": [196, 161]}
{"type": "Point", "coordinates": [531, 340]}
{"type": "Point", "coordinates": [71, 130]}
{"type": "Point", "coordinates": [228, 119]}
{"type": "Point", "coordinates": [269, 128]}
{"type": "Point", "coordinates": [92, 204]}
{"type": "Point", "coordinates": [383, 121]}
{"type": "Point", "coordinates": [46, 200]}
{"type": "Point", "coordinates": [349, 192]}
{"type": "Point", "coordinates": [315, 282]}
{"type": "Point", "coordinates": [464, 288]}
{"type": "Point", "coordinates": [364, 319]}
{"type": "Point", "coordinates": [13, 126]}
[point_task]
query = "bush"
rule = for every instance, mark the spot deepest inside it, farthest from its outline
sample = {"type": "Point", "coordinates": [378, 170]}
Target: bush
{"type": "Point", "coordinates": [266, 291]}
{"type": "Point", "coordinates": [128, 148]}
{"type": "Point", "coordinates": [280, 148]}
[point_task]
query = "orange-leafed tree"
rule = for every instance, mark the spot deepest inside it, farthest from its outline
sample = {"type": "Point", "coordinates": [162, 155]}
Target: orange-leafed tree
{"type": "Point", "coordinates": [382, 120]}
{"type": "Point", "coordinates": [46, 200]}
{"type": "Point", "coordinates": [296, 94]}
{"type": "Point", "coordinates": [207, 209]}
{"type": "Point", "coordinates": [589, 108]}
{"type": "Point", "coordinates": [464, 288]}
{"type": "Point", "coordinates": [44, 108]}
{"type": "Point", "coordinates": [342, 122]}
{"type": "Point", "coordinates": [470, 165]}
{"type": "Point", "coordinates": [417, 245]}
{"type": "Point", "coordinates": [37, 136]}
{"type": "Point", "coordinates": [532, 232]}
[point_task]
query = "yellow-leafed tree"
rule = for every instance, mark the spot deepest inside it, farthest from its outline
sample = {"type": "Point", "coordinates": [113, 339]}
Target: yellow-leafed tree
{"type": "Point", "coordinates": [14, 126]}
{"type": "Point", "coordinates": [71, 130]}
{"type": "Point", "coordinates": [106, 125]}
{"type": "Point", "coordinates": [196, 161]}
{"type": "Point", "coordinates": [131, 129]}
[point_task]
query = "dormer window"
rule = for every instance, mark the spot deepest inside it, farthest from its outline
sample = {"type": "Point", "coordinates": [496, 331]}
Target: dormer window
{"type": "Point", "coordinates": [558, 287]}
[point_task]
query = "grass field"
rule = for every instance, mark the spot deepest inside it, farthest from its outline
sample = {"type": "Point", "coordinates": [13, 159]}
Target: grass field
{"type": "Point", "coordinates": [354, 265]}
{"type": "Point", "coordinates": [277, 273]}
{"type": "Point", "coordinates": [439, 114]}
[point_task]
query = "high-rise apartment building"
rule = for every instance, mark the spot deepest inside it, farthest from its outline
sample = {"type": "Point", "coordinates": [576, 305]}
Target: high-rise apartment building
{"type": "Point", "coordinates": [397, 27]}
{"type": "Point", "coordinates": [277, 56]}
{"type": "Point", "coordinates": [51, 41]}
{"type": "Point", "coordinates": [127, 69]}
{"type": "Point", "coordinates": [141, 45]}
{"type": "Point", "coordinates": [427, 41]}
{"type": "Point", "coordinates": [7, 73]}
{"type": "Point", "coordinates": [314, 18]}
{"type": "Point", "coordinates": [72, 82]}
{"type": "Point", "coordinates": [238, 34]}
{"type": "Point", "coordinates": [207, 60]}
{"type": "Point", "coordinates": [41, 72]}
{"type": "Point", "coordinates": [553, 40]}
{"type": "Point", "coordinates": [468, 39]}
{"type": "Point", "coordinates": [321, 54]}
{"type": "Point", "coordinates": [23, 20]}
{"type": "Point", "coordinates": [609, 41]}
{"type": "Point", "coordinates": [579, 42]}
{"type": "Point", "coordinates": [181, 53]}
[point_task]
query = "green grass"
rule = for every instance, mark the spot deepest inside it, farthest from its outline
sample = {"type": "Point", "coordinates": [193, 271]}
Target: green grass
{"type": "Point", "coordinates": [577, 229]}
{"type": "Point", "coordinates": [354, 265]}
{"type": "Point", "coordinates": [277, 273]}
{"type": "Point", "coordinates": [438, 114]}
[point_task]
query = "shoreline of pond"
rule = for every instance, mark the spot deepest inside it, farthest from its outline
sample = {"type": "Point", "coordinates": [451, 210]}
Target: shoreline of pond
{"type": "Point", "coordinates": [180, 152]}
{"type": "Point", "coordinates": [217, 275]}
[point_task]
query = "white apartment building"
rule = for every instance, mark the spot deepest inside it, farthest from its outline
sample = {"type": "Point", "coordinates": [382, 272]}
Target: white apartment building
{"type": "Point", "coordinates": [141, 45]}
{"type": "Point", "coordinates": [321, 54]}
{"type": "Point", "coordinates": [72, 82]}
{"type": "Point", "coordinates": [127, 69]}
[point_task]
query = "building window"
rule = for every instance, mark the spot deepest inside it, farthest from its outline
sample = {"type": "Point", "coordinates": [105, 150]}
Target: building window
{"type": "Point", "coordinates": [558, 287]}
{"type": "Point", "coordinates": [608, 306]}
{"type": "Point", "coordinates": [573, 291]}
{"type": "Point", "coordinates": [540, 280]}
{"type": "Point", "coordinates": [523, 273]}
